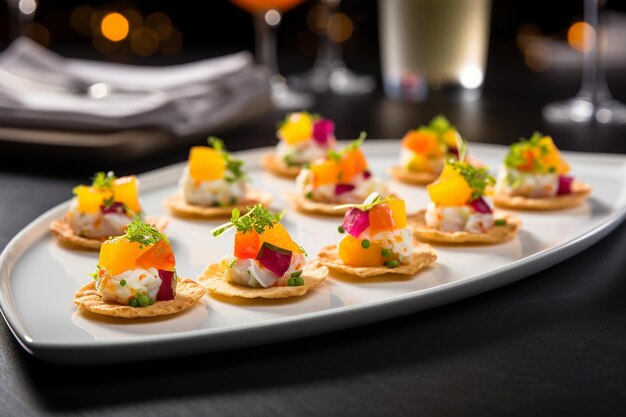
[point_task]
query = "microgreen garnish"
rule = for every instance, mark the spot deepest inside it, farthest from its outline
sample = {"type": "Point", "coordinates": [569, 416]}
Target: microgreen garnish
{"type": "Point", "coordinates": [372, 200]}
{"type": "Point", "coordinates": [258, 218]}
{"type": "Point", "coordinates": [461, 146]}
{"type": "Point", "coordinates": [519, 151]}
{"type": "Point", "coordinates": [234, 166]}
{"type": "Point", "coordinates": [143, 233]}
{"type": "Point", "coordinates": [477, 178]}
{"type": "Point", "coordinates": [103, 180]}
{"type": "Point", "coordinates": [232, 263]}
{"type": "Point", "coordinates": [352, 146]}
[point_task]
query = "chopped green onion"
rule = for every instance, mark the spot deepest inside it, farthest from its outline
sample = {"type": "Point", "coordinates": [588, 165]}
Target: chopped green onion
{"type": "Point", "coordinates": [365, 243]}
{"type": "Point", "coordinates": [133, 303]}
{"type": "Point", "coordinates": [392, 263]}
{"type": "Point", "coordinates": [290, 282]}
{"type": "Point", "coordinates": [296, 274]}
{"type": "Point", "coordinates": [298, 281]}
{"type": "Point", "coordinates": [387, 253]}
{"type": "Point", "coordinates": [309, 195]}
{"type": "Point", "coordinates": [231, 263]}
{"type": "Point", "coordinates": [123, 283]}
{"type": "Point", "coordinates": [500, 222]}
{"type": "Point", "coordinates": [340, 229]}
{"type": "Point", "coordinates": [152, 301]}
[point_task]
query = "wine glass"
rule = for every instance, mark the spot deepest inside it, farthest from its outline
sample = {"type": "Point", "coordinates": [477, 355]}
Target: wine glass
{"type": "Point", "coordinates": [593, 101]}
{"type": "Point", "coordinates": [329, 71]}
{"type": "Point", "coordinates": [267, 15]}
{"type": "Point", "coordinates": [21, 14]}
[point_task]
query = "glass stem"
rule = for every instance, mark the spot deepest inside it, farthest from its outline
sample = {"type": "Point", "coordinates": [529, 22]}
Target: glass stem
{"type": "Point", "coordinates": [594, 85]}
{"type": "Point", "coordinates": [266, 45]}
{"type": "Point", "coordinates": [329, 54]}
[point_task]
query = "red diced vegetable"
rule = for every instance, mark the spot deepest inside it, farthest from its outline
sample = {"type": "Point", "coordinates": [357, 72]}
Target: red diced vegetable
{"type": "Point", "coordinates": [565, 185]}
{"type": "Point", "coordinates": [343, 188]}
{"type": "Point", "coordinates": [322, 130]}
{"type": "Point", "coordinates": [480, 205]}
{"type": "Point", "coordinates": [116, 207]}
{"type": "Point", "coordinates": [167, 290]}
{"type": "Point", "coordinates": [355, 221]}
{"type": "Point", "coordinates": [274, 258]}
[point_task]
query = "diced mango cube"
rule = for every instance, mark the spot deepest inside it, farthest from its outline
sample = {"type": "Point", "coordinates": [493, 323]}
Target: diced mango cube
{"type": "Point", "coordinates": [89, 198]}
{"type": "Point", "coordinates": [325, 172]}
{"type": "Point", "coordinates": [351, 252]}
{"type": "Point", "coordinates": [119, 254]}
{"type": "Point", "coordinates": [450, 189]}
{"type": "Point", "coordinates": [352, 163]}
{"type": "Point", "coordinates": [418, 163]}
{"type": "Point", "coordinates": [451, 137]}
{"type": "Point", "coordinates": [423, 142]}
{"type": "Point", "coordinates": [398, 212]}
{"type": "Point", "coordinates": [279, 237]}
{"type": "Point", "coordinates": [159, 256]}
{"type": "Point", "coordinates": [381, 219]}
{"type": "Point", "coordinates": [206, 164]}
{"type": "Point", "coordinates": [552, 158]}
{"type": "Point", "coordinates": [298, 128]}
{"type": "Point", "coordinates": [247, 244]}
{"type": "Point", "coordinates": [125, 190]}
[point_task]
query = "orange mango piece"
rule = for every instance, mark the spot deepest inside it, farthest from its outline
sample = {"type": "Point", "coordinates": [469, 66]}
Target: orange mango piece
{"type": "Point", "coordinates": [89, 198]}
{"type": "Point", "coordinates": [398, 212]}
{"type": "Point", "coordinates": [325, 172]}
{"type": "Point", "coordinates": [125, 190]}
{"type": "Point", "coordinates": [206, 164]}
{"type": "Point", "coordinates": [298, 128]}
{"type": "Point", "coordinates": [418, 163]}
{"type": "Point", "coordinates": [450, 189]}
{"type": "Point", "coordinates": [553, 157]}
{"type": "Point", "coordinates": [119, 254]}
{"type": "Point", "coordinates": [423, 142]}
{"type": "Point", "coordinates": [381, 219]}
{"type": "Point", "coordinates": [352, 253]}
{"type": "Point", "coordinates": [247, 244]}
{"type": "Point", "coordinates": [450, 137]}
{"type": "Point", "coordinates": [159, 256]}
{"type": "Point", "coordinates": [278, 236]}
{"type": "Point", "coordinates": [352, 163]}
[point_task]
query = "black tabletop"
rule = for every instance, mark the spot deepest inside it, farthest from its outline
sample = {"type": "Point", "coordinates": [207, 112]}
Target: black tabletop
{"type": "Point", "coordinates": [550, 344]}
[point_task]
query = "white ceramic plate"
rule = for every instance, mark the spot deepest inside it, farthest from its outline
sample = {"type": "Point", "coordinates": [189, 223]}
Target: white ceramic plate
{"type": "Point", "coordinates": [38, 277]}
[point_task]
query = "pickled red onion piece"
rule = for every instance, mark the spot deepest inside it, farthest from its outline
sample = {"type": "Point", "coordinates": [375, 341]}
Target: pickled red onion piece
{"type": "Point", "coordinates": [322, 130]}
{"type": "Point", "coordinates": [565, 185]}
{"type": "Point", "coordinates": [355, 221]}
{"type": "Point", "coordinates": [480, 206]}
{"type": "Point", "coordinates": [274, 258]}
{"type": "Point", "coordinates": [343, 188]}
{"type": "Point", "coordinates": [167, 290]}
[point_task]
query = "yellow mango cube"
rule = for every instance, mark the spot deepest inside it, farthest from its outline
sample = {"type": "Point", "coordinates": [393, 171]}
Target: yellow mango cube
{"type": "Point", "coordinates": [553, 157]}
{"type": "Point", "coordinates": [398, 212]}
{"type": "Point", "coordinates": [206, 164]}
{"type": "Point", "coordinates": [119, 254]}
{"type": "Point", "coordinates": [351, 252]}
{"type": "Point", "coordinates": [125, 190]}
{"type": "Point", "coordinates": [298, 128]}
{"type": "Point", "coordinates": [89, 198]}
{"type": "Point", "coordinates": [450, 189]}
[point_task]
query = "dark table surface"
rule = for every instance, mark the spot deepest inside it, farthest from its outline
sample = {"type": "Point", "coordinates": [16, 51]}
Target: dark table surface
{"type": "Point", "coordinates": [553, 343]}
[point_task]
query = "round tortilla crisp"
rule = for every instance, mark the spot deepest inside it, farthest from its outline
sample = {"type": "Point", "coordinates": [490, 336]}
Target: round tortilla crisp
{"type": "Point", "coordinates": [410, 177]}
{"type": "Point", "coordinates": [177, 205]}
{"type": "Point", "coordinates": [313, 273]}
{"type": "Point", "coordinates": [305, 205]}
{"type": "Point", "coordinates": [64, 233]}
{"type": "Point", "coordinates": [496, 234]}
{"type": "Point", "coordinates": [423, 255]}
{"type": "Point", "coordinates": [188, 292]}
{"type": "Point", "coordinates": [580, 193]}
{"type": "Point", "coordinates": [277, 167]}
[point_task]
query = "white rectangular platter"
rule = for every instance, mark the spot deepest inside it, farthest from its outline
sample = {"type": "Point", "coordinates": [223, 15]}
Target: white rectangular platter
{"type": "Point", "coordinates": [38, 277]}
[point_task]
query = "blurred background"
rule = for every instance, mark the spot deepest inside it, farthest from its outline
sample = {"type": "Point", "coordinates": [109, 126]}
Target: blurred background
{"type": "Point", "coordinates": [534, 57]}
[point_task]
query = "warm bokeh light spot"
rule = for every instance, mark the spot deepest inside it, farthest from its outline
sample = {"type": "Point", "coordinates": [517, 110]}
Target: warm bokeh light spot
{"type": "Point", "coordinates": [537, 56]}
{"type": "Point", "coordinates": [339, 27]}
{"type": "Point", "coordinates": [144, 41]}
{"type": "Point", "coordinates": [317, 19]}
{"type": "Point", "coordinates": [114, 27]}
{"type": "Point", "coordinates": [38, 33]}
{"type": "Point", "coordinates": [173, 44]}
{"type": "Point", "coordinates": [80, 19]}
{"type": "Point", "coordinates": [581, 36]}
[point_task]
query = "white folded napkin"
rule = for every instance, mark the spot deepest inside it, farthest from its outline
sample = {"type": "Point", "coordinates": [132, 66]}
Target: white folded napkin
{"type": "Point", "coordinates": [39, 88]}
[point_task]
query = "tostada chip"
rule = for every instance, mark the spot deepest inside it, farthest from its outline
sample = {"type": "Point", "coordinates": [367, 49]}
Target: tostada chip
{"type": "Point", "coordinates": [460, 211]}
{"type": "Point", "coordinates": [534, 176]}
{"type": "Point", "coordinates": [425, 151]}
{"type": "Point", "coordinates": [303, 138]}
{"type": "Point", "coordinates": [377, 241]}
{"type": "Point", "coordinates": [341, 177]}
{"type": "Point", "coordinates": [101, 210]}
{"type": "Point", "coordinates": [213, 183]}
{"type": "Point", "coordinates": [136, 277]}
{"type": "Point", "coordinates": [266, 262]}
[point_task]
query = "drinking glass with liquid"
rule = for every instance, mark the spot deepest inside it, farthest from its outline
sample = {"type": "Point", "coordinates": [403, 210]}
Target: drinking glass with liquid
{"type": "Point", "coordinates": [433, 47]}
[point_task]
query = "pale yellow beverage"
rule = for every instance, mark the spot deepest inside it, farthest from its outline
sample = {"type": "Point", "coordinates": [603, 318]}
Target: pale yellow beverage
{"type": "Point", "coordinates": [431, 45]}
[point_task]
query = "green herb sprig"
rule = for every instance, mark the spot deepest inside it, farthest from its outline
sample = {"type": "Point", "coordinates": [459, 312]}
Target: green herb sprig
{"type": "Point", "coordinates": [354, 145]}
{"type": "Point", "coordinates": [143, 233]}
{"type": "Point", "coordinates": [258, 218]}
{"type": "Point", "coordinates": [517, 152]}
{"type": "Point", "coordinates": [103, 180]}
{"type": "Point", "coordinates": [372, 200]}
{"type": "Point", "coordinates": [477, 178]}
{"type": "Point", "coordinates": [234, 166]}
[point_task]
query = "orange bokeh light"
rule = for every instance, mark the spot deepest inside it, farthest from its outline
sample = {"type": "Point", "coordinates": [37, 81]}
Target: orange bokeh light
{"type": "Point", "coordinates": [114, 27]}
{"type": "Point", "coordinates": [581, 36]}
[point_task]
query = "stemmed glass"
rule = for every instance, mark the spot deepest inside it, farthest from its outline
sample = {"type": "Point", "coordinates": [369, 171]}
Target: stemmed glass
{"type": "Point", "coordinates": [329, 71]}
{"type": "Point", "coordinates": [593, 101]}
{"type": "Point", "coordinates": [21, 13]}
{"type": "Point", "coordinates": [267, 15]}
